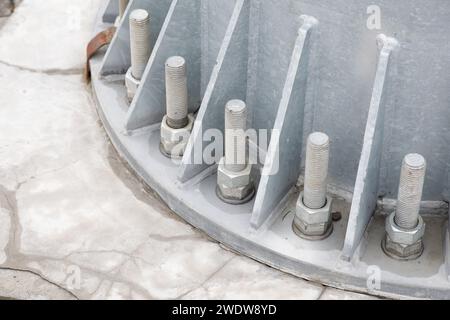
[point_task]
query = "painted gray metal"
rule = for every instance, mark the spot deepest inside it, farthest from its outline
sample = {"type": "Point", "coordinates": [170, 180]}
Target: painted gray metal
{"type": "Point", "coordinates": [282, 165]}
{"type": "Point", "coordinates": [111, 12]}
{"type": "Point", "coordinates": [118, 57]}
{"type": "Point", "coordinates": [298, 77]}
{"type": "Point", "coordinates": [365, 195]}
{"type": "Point", "coordinates": [227, 80]}
{"type": "Point", "coordinates": [179, 37]}
{"type": "Point", "coordinates": [447, 250]}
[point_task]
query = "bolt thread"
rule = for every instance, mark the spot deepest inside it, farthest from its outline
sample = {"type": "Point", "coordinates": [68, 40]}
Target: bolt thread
{"type": "Point", "coordinates": [235, 138]}
{"type": "Point", "coordinates": [410, 191]}
{"type": "Point", "coordinates": [176, 93]}
{"type": "Point", "coordinates": [316, 171]}
{"type": "Point", "coordinates": [139, 42]}
{"type": "Point", "coordinates": [122, 7]}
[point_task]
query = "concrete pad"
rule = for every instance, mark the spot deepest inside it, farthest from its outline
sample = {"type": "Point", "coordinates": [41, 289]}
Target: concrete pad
{"type": "Point", "coordinates": [50, 34]}
{"type": "Point", "coordinates": [36, 111]}
{"type": "Point", "coordinates": [5, 225]}
{"type": "Point", "coordinates": [334, 294]}
{"type": "Point", "coordinates": [168, 268]}
{"type": "Point", "coordinates": [243, 278]}
{"type": "Point", "coordinates": [28, 286]}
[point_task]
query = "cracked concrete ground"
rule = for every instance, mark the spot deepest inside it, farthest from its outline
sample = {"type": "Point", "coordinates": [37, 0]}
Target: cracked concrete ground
{"type": "Point", "coordinates": [74, 223]}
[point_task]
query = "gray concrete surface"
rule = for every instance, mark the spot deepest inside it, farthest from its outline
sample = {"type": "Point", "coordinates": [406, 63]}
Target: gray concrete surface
{"type": "Point", "coordinates": [74, 223]}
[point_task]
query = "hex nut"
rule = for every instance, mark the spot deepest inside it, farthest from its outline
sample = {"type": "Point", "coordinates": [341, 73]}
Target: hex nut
{"type": "Point", "coordinates": [174, 141]}
{"type": "Point", "coordinates": [131, 84]}
{"type": "Point", "coordinates": [313, 222]}
{"type": "Point", "coordinates": [402, 251]}
{"type": "Point", "coordinates": [313, 216]}
{"type": "Point", "coordinates": [312, 230]}
{"type": "Point", "coordinates": [234, 185]}
{"type": "Point", "coordinates": [403, 236]}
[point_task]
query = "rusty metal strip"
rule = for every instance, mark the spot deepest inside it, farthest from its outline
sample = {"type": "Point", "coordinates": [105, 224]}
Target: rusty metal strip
{"type": "Point", "coordinates": [100, 40]}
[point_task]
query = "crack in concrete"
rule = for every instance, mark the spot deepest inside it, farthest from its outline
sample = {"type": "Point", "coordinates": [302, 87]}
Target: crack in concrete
{"type": "Point", "coordinates": [324, 289]}
{"type": "Point", "coordinates": [41, 277]}
{"type": "Point", "coordinates": [22, 259]}
{"type": "Point", "coordinates": [114, 275]}
{"type": "Point", "coordinates": [131, 255]}
{"type": "Point", "coordinates": [119, 279]}
{"type": "Point", "coordinates": [111, 283]}
{"type": "Point", "coordinates": [49, 72]}
{"type": "Point", "coordinates": [211, 276]}
{"type": "Point", "coordinates": [8, 201]}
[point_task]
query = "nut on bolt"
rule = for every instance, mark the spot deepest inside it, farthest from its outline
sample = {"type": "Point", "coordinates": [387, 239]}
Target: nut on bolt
{"type": "Point", "coordinates": [403, 244]}
{"type": "Point", "coordinates": [177, 124]}
{"type": "Point", "coordinates": [234, 181]}
{"type": "Point", "coordinates": [405, 227]}
{"type": "Point", "coordinates": [313, 224]}
{"type": "Point", "coordinates": [235, 187]}
{"type": "Point", "coordinates": [140, 50]}
{"type": "Point", "coordinates": [174, 141]}
{"type": "Point", "coordinates": [313, 218]}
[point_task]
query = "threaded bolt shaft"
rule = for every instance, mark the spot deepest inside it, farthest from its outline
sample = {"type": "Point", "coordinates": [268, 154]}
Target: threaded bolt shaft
{"type": "Point", "coordinates": [122, 7]}
{"type": "Point", "coordinates": [316, 171]}
{"type": "Point", "coordinates": [139, 42]}
{"type": "Point", "coordinates": [176, 92]}
{"type": "Point", "coordinates": [410, 191]}
{"type": "Point", "coordinates": [235, 139]}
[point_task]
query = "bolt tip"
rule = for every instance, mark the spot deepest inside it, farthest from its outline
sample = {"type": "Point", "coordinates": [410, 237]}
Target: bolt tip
{"type": "Point", "coordinates": [139, 15]}
{"type": "Point", "coordinates": [236, 106]}
{"type": "Point", "coordinates": [415, 161]}
{"type": "Point", "coordinates": [175, 62]}
{"type": "Point", "coordinates": [319, 139]}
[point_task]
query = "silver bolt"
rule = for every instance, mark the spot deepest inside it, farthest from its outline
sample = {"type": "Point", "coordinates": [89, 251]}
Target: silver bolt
{"type": "Point", "coordinates": [176, 93]}
{"type": "Point", "coordinates": [316, 171]}
{"type": "Point", "coordinates": [410, 191]}
{"type": "Point", "coordinates": [122, 7]}
{"type": "Point", "coordinates": [139, 42]}
{"type": "Point", "coordinates": [235, 139]}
